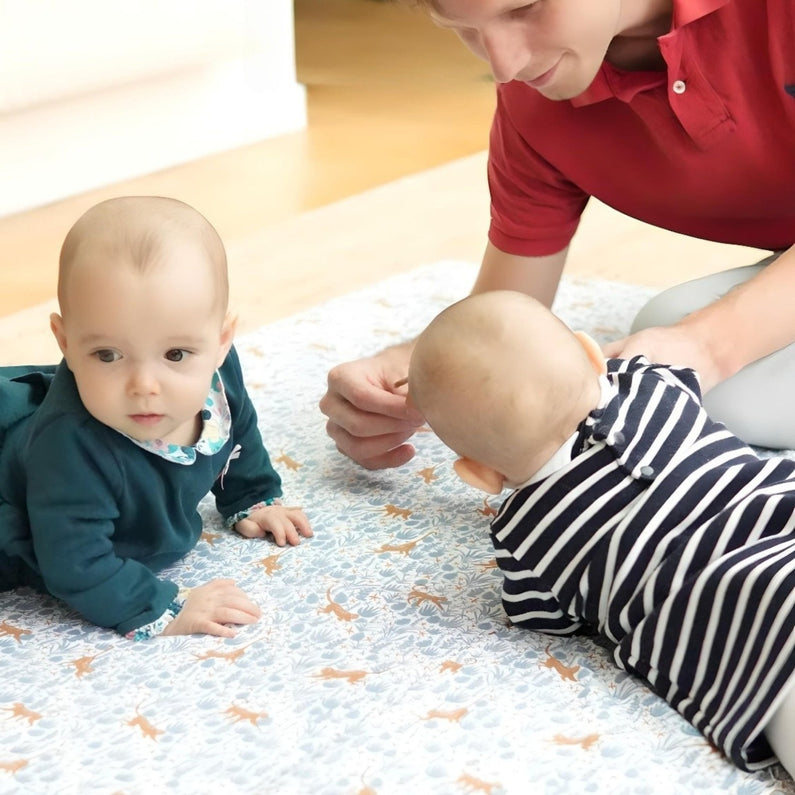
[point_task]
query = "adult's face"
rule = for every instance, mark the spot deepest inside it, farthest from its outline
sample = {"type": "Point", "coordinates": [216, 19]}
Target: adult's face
{"type": "Point", "coordinates": [555, 46]}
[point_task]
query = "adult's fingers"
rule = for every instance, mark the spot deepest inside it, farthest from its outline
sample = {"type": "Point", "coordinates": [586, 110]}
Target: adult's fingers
{"type": "Point", "coordinates": [373, 452]}
{"type": "Point", "coordinates": [367, 394]}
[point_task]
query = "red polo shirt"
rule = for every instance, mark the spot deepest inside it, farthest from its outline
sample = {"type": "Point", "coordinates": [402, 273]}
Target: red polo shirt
{"type": "Point", "coordinates": [705, 148]}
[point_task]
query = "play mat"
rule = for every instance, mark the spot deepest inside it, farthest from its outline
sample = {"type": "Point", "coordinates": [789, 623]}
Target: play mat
{"type": "Point", "coordinates": [382, 663]}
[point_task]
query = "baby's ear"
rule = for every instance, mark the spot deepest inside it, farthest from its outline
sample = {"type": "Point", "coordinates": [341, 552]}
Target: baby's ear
{"type": "Point", "coordinates": [479, 475]}
{"type": "Point", "coordinates": [593, 351]}
{"type": "Point", "coordinates": [227, 335]}
{"type": "Point", "coordinates": [57, 328]}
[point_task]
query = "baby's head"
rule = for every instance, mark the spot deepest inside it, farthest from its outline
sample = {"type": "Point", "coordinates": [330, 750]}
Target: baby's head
{"type": "Point", "coordinates": [503, 383]}
{"type": "Point", "coordinates": [143, 323]}
{"type": "Point", "coordinates": [141, 233]}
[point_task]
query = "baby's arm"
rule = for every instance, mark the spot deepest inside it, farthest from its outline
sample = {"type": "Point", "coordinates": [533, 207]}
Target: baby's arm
{"type": "Point", "coordinates": [73, 508]}
{"type": "Point", "coordinates": [73, 503]}
{"type": "Point", "coordinates": [209, 608]}
{"type": "Point", "coordinates": [247, 493]}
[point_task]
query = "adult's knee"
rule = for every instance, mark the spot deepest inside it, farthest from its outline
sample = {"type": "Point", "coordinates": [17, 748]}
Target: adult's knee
{"type": "Point", "coordinates": [756, 403]}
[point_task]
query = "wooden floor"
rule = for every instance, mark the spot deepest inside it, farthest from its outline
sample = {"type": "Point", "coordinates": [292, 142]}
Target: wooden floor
{"type": "Point", "coordinates": [388, 175]}
{"type": "Point", "coordinates": [388, 95]}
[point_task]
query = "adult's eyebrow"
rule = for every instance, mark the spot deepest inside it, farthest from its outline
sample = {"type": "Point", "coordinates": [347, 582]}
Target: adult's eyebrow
{"type": "Point", "coordinates": [443, 18]}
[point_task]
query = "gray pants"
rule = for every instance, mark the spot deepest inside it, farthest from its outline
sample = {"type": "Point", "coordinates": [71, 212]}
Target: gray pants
{"type": "Point", "coordinates": [757, 403]}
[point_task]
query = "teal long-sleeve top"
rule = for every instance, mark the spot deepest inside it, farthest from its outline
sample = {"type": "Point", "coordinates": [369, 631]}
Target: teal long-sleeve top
{"type": "Point", "coordinates": [90, 517]}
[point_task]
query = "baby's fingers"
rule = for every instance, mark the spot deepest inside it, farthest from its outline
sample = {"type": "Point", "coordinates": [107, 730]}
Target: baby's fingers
{"type": "Point", "coordinates": [282, 530]}
{"type": "Point", "coordinates": [233, 615]}
{"type": "Point", "coordinates": [217, 630]}
{"type": "Point", "coordinates": [300, 522]}
{"type": "Point", "coordinates": [218, 624]}
{"type": "Point", "coordinates": [238, 604]}
{"type": "Point", "coordinates": [287, 526]}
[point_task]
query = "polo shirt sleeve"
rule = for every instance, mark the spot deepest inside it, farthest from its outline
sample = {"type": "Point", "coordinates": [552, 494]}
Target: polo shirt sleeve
{"type": "Point", "coordinates": [74, 480]}
{"type": "Point", "coordinates": [535, 209]}
{"type": "Point", "coordinates": [249, 477]}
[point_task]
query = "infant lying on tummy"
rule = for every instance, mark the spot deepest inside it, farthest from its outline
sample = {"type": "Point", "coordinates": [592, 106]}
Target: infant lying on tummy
{"type": "Point", "coordinates": [105, 457]}
{"type": "Point", "coordinates": [632, 514]}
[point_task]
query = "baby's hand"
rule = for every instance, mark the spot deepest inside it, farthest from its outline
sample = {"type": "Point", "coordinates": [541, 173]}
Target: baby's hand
{"type": "Point", "coordinates": [286, 525]}
{"type": "Point", "coordinates": [210, 607]}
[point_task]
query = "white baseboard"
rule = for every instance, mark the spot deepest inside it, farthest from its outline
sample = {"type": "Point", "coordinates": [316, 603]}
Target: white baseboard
{"type": "Point", "coordinates": [65, 148]}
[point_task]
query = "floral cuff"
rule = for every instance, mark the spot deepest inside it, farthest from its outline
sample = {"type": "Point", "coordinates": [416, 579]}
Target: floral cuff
{"type": "Point", "coordinates": [157, 626]}
{"type": "Point", "coordinates": [235, 518]}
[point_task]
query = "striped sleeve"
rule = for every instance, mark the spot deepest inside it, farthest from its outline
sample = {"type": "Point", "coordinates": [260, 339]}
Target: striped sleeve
{"type": "Point", "coordinates": [526, 600]}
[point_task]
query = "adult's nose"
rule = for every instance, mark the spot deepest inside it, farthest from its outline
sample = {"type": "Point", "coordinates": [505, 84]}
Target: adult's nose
{"type": "Point", "coordinates": [505, 47]}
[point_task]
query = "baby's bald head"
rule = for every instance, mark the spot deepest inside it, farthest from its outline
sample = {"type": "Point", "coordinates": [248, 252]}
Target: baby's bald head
{"type": "Point", "coordinates": [139, 232]}
{"type": "Point", "coordinates": [499, 378]}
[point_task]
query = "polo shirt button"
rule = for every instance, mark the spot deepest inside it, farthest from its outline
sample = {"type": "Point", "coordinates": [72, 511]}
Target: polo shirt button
{"type": "Point", "coordinates": [679, 87]}
{"type": "Point", "coordinates": [647, 471]}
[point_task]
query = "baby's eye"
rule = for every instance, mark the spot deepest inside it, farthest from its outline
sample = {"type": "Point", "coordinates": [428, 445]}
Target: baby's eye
{"type": "Point", "coordinates": [176, 354]}
{"type": "Point", "coordinates": [107, 356]}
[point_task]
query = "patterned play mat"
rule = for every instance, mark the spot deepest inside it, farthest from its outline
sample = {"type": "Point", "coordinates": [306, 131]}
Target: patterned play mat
{"type": "Point", "coordinates": [383, 662]}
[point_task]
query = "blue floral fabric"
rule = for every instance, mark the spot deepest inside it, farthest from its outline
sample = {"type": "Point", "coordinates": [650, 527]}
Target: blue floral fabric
{"type": "Point", "coordinates": [383, 661]}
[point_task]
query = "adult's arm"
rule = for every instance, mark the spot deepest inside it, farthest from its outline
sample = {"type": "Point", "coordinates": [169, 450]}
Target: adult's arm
{"type": "Point", "coordinates": [535, 276]}
{"type": "Point", "coordinates": [750, 321]}
{"type": "Point", "coordinates": [368, 417]}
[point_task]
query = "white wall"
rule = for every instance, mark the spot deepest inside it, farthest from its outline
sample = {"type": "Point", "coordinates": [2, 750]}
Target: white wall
{"type": "Point", "coordinates": [97, 91]}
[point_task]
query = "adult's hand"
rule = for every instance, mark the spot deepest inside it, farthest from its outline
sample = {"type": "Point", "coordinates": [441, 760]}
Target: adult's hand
{"type": "Point", "coordinates": [368, 417]}
{"type": "Point", "coordinates": [675, 345]}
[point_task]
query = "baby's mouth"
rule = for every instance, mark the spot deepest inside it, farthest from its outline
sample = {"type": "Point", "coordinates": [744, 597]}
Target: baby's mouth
{"type": "Point", "coordinates": [146, 419]}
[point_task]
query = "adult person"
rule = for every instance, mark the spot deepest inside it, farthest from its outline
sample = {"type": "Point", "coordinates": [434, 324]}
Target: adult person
{"type": "Point", "coordinates": [678, 112]}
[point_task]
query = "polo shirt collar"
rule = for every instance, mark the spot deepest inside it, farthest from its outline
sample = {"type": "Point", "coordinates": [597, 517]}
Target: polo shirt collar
{"type": "Point", "coordinates": [611, 82]}
{"type": "Point", "coordinates": [687, 11]}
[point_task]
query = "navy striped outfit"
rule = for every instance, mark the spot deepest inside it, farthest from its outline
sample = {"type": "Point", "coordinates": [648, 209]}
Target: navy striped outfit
{"type": "Point", "coordinates": [666, 534]}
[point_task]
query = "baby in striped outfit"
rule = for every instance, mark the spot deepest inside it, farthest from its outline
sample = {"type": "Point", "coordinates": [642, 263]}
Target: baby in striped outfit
{"type": "Point", "coordinates": [632, 515]}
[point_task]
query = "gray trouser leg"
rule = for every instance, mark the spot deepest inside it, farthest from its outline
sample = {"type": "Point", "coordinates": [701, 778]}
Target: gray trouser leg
{"type": "Point", "coordinates": [757, 403]}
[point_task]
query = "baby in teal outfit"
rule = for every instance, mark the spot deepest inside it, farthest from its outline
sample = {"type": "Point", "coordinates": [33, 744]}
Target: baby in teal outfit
{"type": "Point", "coordinates": [105, 457]}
